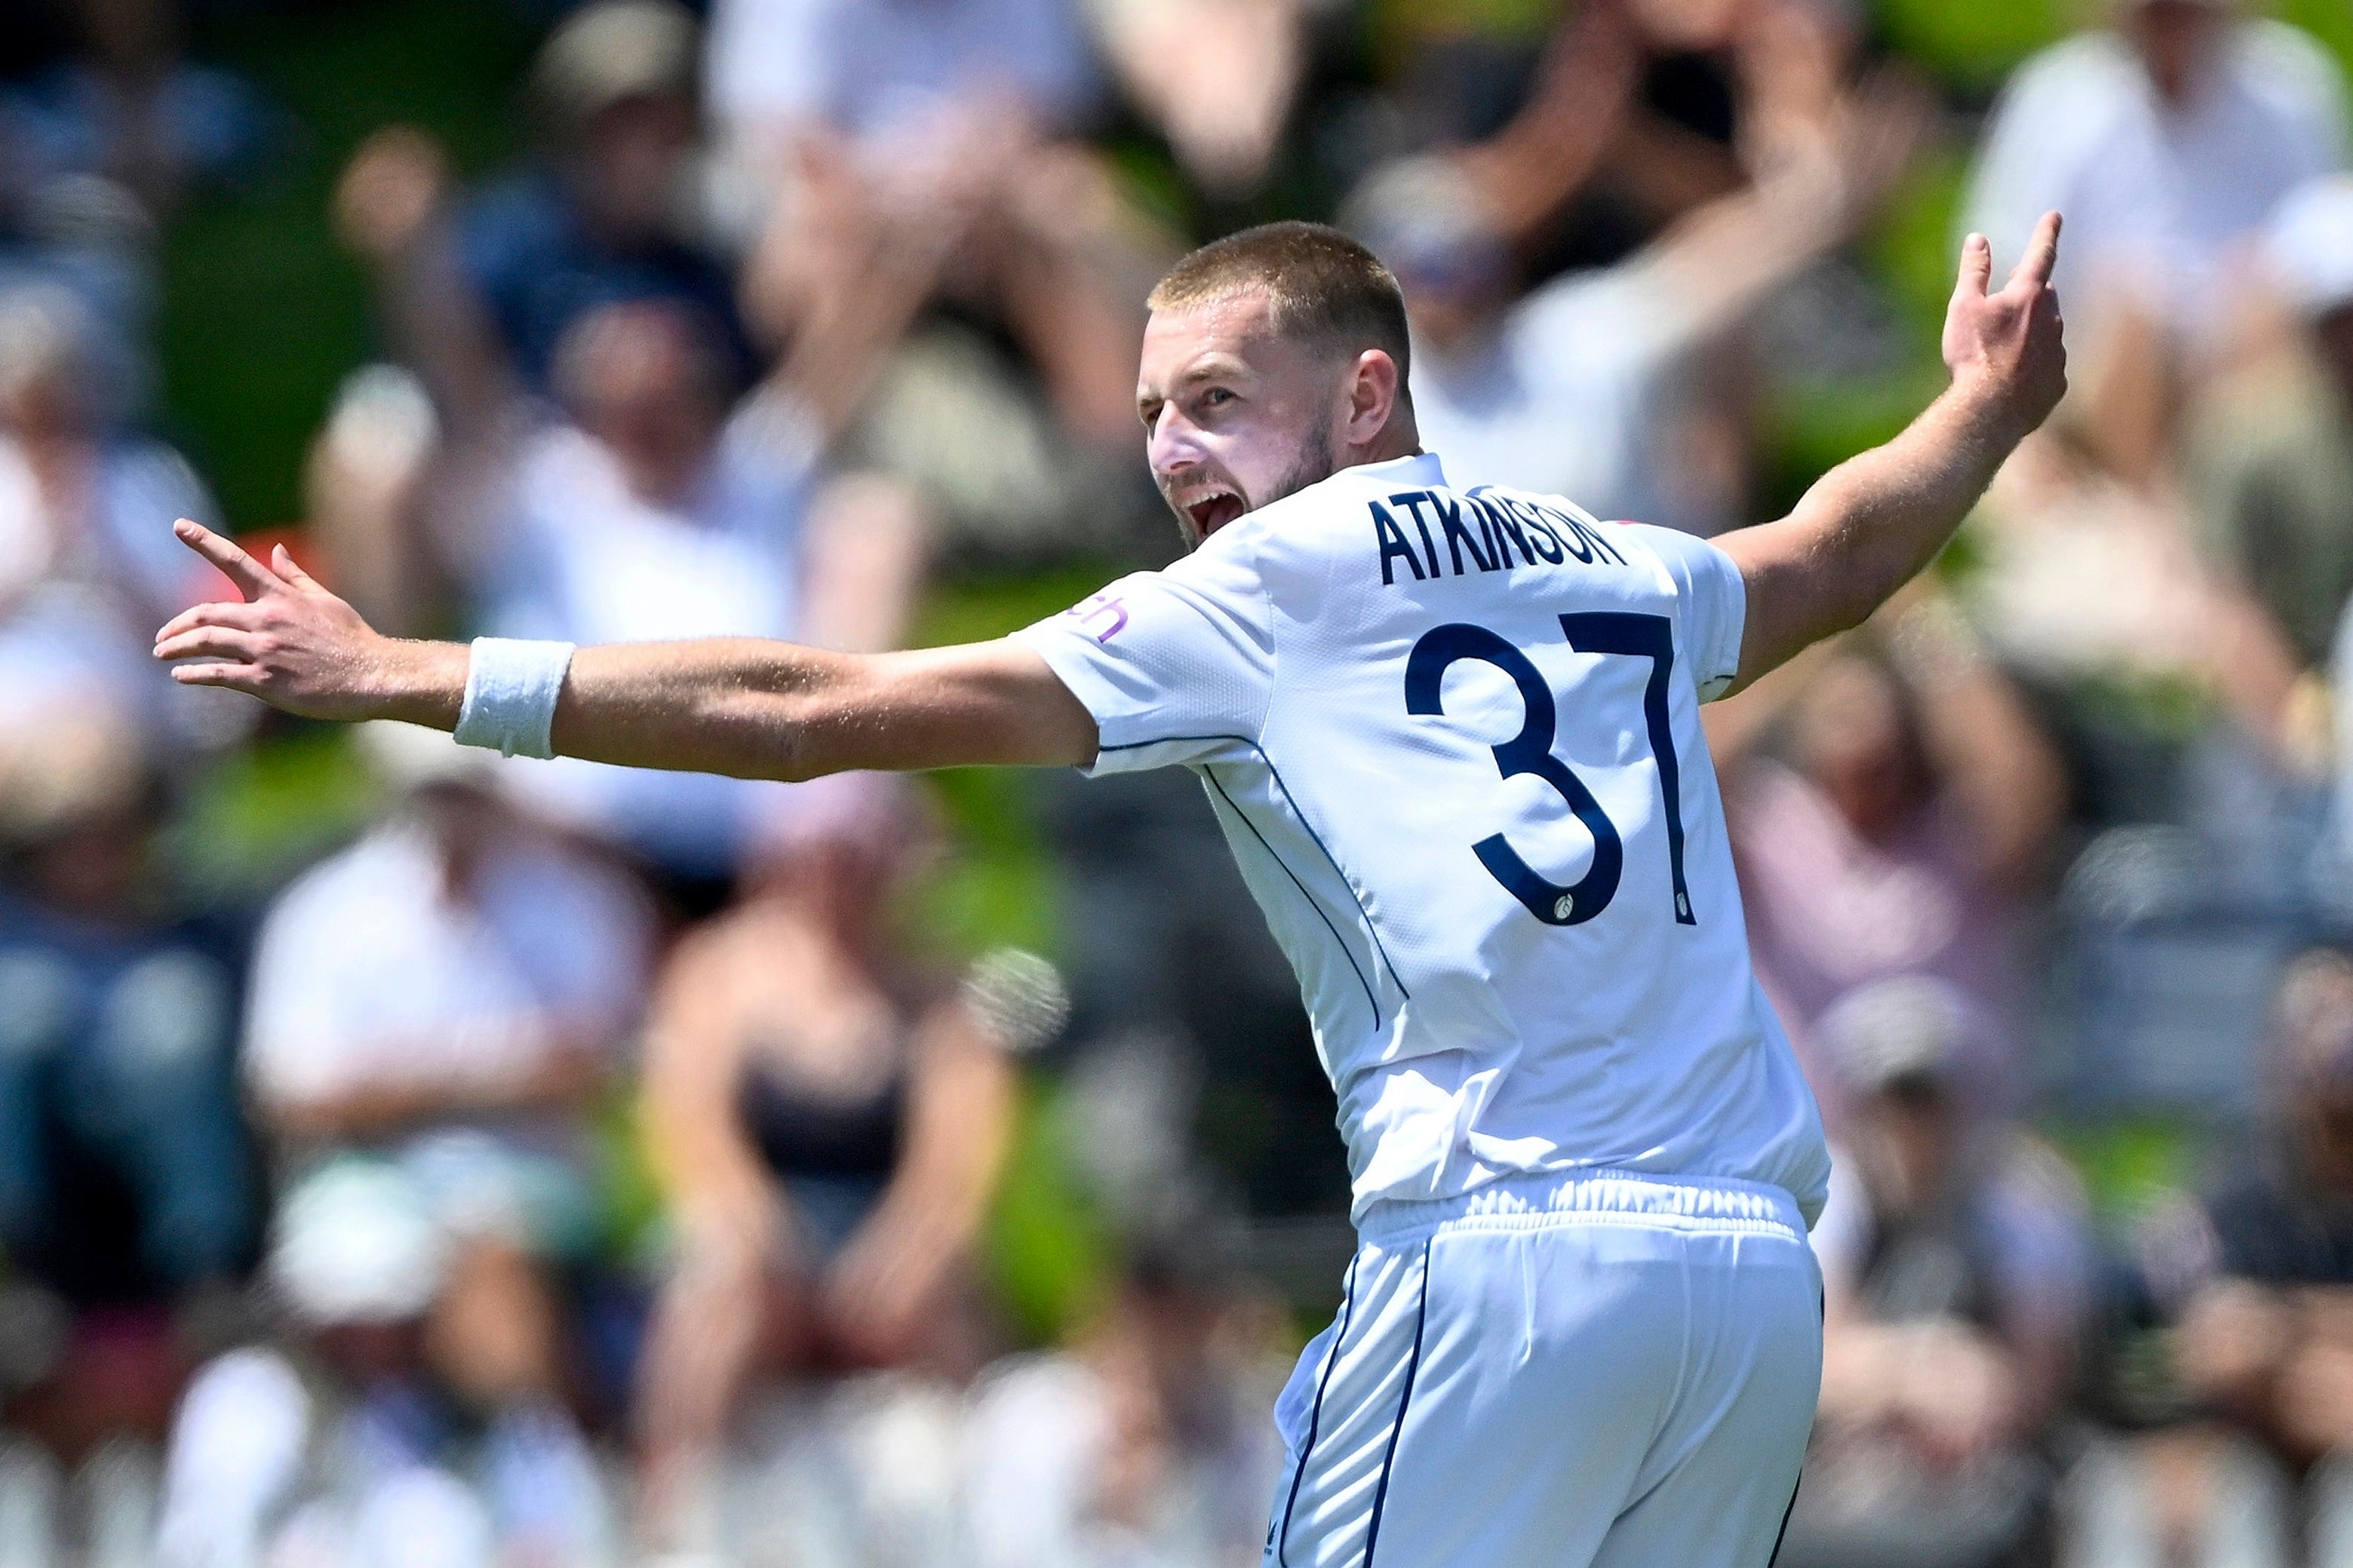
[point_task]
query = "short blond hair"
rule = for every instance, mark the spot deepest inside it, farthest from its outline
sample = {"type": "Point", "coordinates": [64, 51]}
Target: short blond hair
{"type": "Point", "coordinates": [1325, 288]}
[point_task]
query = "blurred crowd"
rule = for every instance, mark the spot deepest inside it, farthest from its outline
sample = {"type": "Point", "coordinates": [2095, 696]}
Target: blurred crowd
{"type": "Point", "coordinates": [554, 1166]}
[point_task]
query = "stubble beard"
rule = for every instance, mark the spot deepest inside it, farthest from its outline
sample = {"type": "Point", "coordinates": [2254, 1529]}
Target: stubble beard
{"type": "Point", "coordinates": [1310, 464]}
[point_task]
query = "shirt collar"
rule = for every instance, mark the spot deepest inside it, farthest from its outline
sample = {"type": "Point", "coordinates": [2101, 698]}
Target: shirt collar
{"type": "Point", "coordinates": [1422, 467]}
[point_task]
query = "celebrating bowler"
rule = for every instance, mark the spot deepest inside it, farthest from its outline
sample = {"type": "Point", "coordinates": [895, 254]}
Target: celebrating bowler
{"type": "Point", "coordinates": [1453, 734]}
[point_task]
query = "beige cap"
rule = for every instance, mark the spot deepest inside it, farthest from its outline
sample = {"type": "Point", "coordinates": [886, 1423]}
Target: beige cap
{"type": "Point", "coordinates": [613, 50]}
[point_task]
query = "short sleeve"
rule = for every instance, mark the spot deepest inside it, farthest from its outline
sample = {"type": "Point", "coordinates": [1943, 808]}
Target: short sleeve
{"type": "Point", "coordinates": [1176, 666]}
{"type": "Point", "coordinates": [1712, 603]}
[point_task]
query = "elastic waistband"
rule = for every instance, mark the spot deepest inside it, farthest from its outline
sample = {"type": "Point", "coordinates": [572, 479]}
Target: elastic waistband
{"type": "Point", "coordinates": [1595, 1196]}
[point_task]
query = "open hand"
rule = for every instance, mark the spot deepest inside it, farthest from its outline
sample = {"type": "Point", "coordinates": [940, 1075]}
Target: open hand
{"type": "Point", "coordinates": [297, 646]}
{"type": "Point", "coordinates": [2009, 346]}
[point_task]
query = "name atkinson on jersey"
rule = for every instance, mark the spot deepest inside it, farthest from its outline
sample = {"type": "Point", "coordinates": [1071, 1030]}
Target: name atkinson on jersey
{"type": "Point", "coordinates": [1480, 528]}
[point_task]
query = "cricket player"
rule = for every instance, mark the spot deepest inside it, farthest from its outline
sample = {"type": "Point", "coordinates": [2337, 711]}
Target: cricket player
{"type": "Point", "coordinates": [1453, 734]}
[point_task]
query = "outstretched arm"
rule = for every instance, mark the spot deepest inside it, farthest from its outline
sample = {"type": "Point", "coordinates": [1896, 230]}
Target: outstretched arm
{"type": "Point", "coordinates": [1869, 525]}
{"type": "Point", "coordinates": [723, 705]}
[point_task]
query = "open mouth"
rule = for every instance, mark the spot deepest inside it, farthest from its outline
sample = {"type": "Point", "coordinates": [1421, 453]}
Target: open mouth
{"type": "Point", "coordinates": [1212, 510]}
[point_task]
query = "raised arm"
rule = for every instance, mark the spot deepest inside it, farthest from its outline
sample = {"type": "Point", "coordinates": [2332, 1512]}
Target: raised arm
{"type": "Point", "coordinates": [1869, 525]}
{"type": "Point", "coordinates": [723, 705]}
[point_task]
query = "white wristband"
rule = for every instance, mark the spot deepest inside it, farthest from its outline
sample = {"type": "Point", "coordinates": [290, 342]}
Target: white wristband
{"type": "Point", "coordinates": [511, 691]}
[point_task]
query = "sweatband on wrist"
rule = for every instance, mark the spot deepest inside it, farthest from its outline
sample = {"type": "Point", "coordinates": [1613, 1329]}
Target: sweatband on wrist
{"type": "Point", "coordinates": [511, 690]}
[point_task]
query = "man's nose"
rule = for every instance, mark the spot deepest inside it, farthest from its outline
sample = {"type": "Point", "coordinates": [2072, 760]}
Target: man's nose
{"type": "Point", "coordinates": [1172, 445]}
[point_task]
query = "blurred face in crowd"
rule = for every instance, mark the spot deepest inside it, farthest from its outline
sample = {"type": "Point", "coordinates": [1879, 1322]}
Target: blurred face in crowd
{"type": "Point", "coordinates": [1907, 1138]}
{"type": "Point", "coordinates": [844, 874]}
{"type": "Point", "coordinates": [627, 163]}
{"type": "Point", "coordinates": [43, 396]}
{"type": "Point", "coordinates": [2312, 1025]}
{"type": "Point", "coordinates": [1854, 739]}
{"type": "Point", "coordinates": [844, 882]}
{"type": "Point", "coordinates": [2175, 39]}
{"type": "Point", "coordinates": [642, 379]}
{"type": "Point", "coordinates": [1235, 414]}
{"type": "Point", "coordinates": [82, 802]}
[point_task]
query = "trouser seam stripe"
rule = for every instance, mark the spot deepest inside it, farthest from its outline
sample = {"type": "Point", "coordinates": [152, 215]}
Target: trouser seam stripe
{"type": "Point", "coordinates": [1315, 1413]}
{"type": "Point", "coordinates": [1412, 1366]}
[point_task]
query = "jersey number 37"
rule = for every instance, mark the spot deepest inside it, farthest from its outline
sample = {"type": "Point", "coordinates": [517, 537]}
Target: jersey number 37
{"type": "Point", "coordinates": [1530, 751]}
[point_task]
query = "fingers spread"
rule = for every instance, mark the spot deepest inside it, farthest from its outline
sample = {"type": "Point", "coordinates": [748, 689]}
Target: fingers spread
{"type": "Point", "coordinates": [1976, 266]}
{"type": "Point", "coordinates": [245, 617]}
{"type": "Point", "coordinates": [282, 562]}
{"type": "Point", "coordinates": [251, 577]}
{"type": "Point", "coordinates": [2041, 253]}
{"type": "Point", "coordinates": [210, 642]}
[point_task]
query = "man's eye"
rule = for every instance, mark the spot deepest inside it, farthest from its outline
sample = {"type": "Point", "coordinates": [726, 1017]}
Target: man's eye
{"type": "Point", "coordinates": [1217, 396]}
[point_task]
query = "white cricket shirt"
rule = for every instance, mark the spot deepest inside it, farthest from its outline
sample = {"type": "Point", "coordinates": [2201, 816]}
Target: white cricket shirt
{"type": "Point", "coordinates": [1453, 738]}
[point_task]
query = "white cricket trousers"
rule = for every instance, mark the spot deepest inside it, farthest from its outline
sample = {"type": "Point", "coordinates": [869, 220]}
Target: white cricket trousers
{"type": "Point", "coordinates": [1595, 1370]}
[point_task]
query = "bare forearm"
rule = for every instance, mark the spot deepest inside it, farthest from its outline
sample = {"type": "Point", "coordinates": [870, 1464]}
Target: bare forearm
{"type": "Point", "coordinates": [741, 706]}
{"type": "Point", "coordinates": [1871, 524]}
{"type": "Point", "coordinates": [771, 709]}
{"type": "Point", "coordinates": [752, 708]}
{"type": "Point", "coordinates": [723, 705]}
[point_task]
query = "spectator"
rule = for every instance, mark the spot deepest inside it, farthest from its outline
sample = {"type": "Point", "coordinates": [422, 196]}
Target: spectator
{"type": "Point", "coordinates": [1643, 112]}
{"type": "Point", "coordinates": [643, 499]}
{"type": "Point", "coordinates": [127, 109]}
{"type": "Point", "coordinates": [1901, 836]}
{"type": "Point", "coordinates": [1218, 79]}
{"type": "Point", "coordinates": [1143, 1444]}
{"type": "Point", "coordinates": [831, 1123]}
{"type": "Point", "coordinates": [2264, 1279]}
{"type": "Point", "coordinates": [1955, 1270]}
{"type": "Point", "coordinates": [2167, 141]}
{"type": "Point", "coordinates": [87, 553]}
{"type": "Point", "coordinates": [854, 117]}
{"type": "Point", "coordinates": [655, 513]}
{"type": "Point", "coordinates": [2254, 1278]}
{"type": "Point", "coordinates": [338, 1443]}
{"type": "Point", "coordinates": [89, 237]}
{"type": "Point", "coordinates": [484, 295]}
{"type": "Point", "coordinates": [1579, 388]}
{"type": "Point", "coordinates": [127, 1190]}
{"type": "Point", "coordinates": [2268, 453]}
{"type": "Point", "coordinates": [903, 81]}
{"type": "Point", "coordinates": [446, 1001]}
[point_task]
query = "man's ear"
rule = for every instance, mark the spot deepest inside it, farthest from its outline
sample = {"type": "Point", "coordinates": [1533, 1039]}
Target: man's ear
{"type": "Point", "coordinates": [1372, 396]}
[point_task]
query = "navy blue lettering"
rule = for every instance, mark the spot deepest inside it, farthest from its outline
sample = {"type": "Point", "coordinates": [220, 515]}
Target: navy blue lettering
{"type": "Point", "coordinates": [1539, 531]}
{"type": "Point", "coordinates": [1505, 526]}
{"type": "Point", "coordinates": [1450, 523]}
{"type": "Point", "coordinates": [1601, 543]}
{"type": "Point", "coordinates": [1572, 538]}
{"type": "Point", "coordinates": [1393, 545]}
{"type": "Point", "coordinates": [1411, 501]}
{"type": "Point", "coordinates": [1594, 543]}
